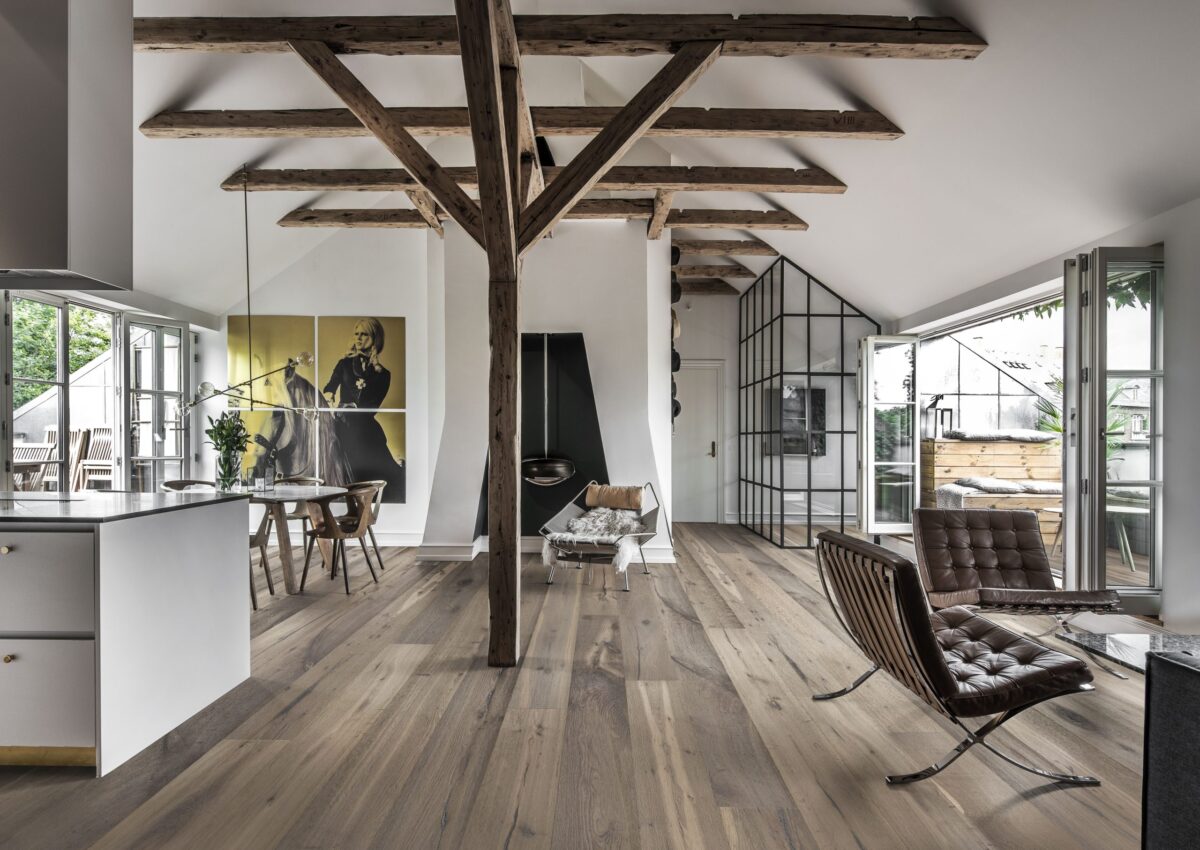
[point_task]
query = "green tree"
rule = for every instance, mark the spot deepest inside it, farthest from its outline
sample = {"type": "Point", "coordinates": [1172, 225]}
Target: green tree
{"type": "Point", "coordinates": [35, 343]}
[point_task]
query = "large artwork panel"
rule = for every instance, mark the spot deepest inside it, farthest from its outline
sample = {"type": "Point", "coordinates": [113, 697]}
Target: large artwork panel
{"type": "Point", "coordinates": [360, 445]}
{"type": "Point", "coordinates": [288, 435]}
{"type": "Point", "coordinates": [275, 340]}
{"type": "Point", "coordinates": [360, 361]}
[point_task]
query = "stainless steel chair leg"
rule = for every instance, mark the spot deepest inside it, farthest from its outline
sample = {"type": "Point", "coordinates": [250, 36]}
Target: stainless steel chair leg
{"type": "Point", "coordinates": [933, 769]}
{"type": "Point", "coordinates": [550, 574]}
{"type": "Point", "coordinates": [625, 572]}
{"type": "Point", "coordinates": [645, 566]}
{"type": "Point", "coordinates": [843, 691]}
{"type": "Point", "coordinates": [1069, 778]}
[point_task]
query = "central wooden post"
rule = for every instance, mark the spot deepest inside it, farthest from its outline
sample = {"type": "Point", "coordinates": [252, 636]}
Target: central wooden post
{"type": "Point", "coordinates": [504, 472]}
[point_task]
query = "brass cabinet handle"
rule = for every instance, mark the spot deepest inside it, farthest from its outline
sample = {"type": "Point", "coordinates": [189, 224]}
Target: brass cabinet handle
{"type": "Point", "coordinates": [4, 550]}
{"type": "Point", "coordinates": [9, 659]}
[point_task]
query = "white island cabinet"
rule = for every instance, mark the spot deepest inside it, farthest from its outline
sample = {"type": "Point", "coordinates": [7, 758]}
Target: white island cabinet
{"type": "Point", "coordinates": [121, 616]}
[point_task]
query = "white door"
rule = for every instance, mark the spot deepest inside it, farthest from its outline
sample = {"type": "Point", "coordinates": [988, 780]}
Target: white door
{"type": "Point", "coordinates": [696, 456]}
{"type": "Point", "coordinates": [888, 483]}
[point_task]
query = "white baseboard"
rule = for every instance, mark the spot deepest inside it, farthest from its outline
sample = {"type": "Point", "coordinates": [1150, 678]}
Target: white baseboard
{"type": "Point", "coordinates": [384, 538]}
{"type": "Point", "coordinates": [655, 554]}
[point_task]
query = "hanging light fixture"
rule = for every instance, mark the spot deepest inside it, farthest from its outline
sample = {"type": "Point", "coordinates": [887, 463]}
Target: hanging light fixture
{"type": "Point", "coordinates": [208, 390]}
{"type": "Point", "coordinates": [546, 471]}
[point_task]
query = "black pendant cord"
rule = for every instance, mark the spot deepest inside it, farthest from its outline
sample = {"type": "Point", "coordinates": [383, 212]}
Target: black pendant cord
{"type": "Point", "coordinates": [545, 395]}
{"type": "Point", "coordinates": [246, 244]}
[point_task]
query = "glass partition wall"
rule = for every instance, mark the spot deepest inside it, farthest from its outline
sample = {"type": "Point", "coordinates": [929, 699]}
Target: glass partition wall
{"type": "Point", "coordinates": [797, 406]}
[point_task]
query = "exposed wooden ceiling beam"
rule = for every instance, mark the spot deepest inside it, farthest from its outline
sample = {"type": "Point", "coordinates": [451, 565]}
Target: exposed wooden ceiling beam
{"type": "Point", "coordinates": [868, 36]}
{"type": "Point", "coordinates": [424, 169]}
{"type": "Point", "coordinates": [725, 247]}
{"type": "Point", "coordinates": [423, 203]}
{"type": "Point", "coordinates": [618, 136]}
{"type": "Point", "coordinates": [706, 286]}
{"type": "Point", "coordinates": [527, 174]}
{"type": "Point", "coordinates": [683, 121]}
{"type": "Point", "coordinates": [670, 178]}
{"type": "Point", "coordinates": [662, 208]}
{"type": "Point", "coordinates": [736, 219]}
{"type": "Point", "coordinates": [587, 209]}
{"type": "Point", "coordinates": [735, 270]}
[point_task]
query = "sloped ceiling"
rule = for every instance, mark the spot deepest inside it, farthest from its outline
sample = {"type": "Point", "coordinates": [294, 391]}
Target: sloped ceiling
{"type": "Point", "coordinates": [1078, 120]}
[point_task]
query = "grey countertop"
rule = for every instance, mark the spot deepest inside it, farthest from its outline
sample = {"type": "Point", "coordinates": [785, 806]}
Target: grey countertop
{"type": "Point", "coordinates": [101, 506]}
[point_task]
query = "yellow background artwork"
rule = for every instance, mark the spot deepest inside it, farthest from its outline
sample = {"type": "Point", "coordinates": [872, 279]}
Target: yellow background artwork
{"type": "Point", "coordinates": [276, 338]}
{"type": "Point", "coordinates": [335, 335]}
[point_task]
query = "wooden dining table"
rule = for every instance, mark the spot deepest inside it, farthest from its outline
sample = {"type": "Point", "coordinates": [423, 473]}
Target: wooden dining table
{"type": "Point", "coordinates": [276, 501]}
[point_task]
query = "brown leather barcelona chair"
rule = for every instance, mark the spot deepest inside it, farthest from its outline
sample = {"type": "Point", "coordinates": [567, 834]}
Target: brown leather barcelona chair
{"type": "Point", "coordinates": [961, 664]}
{"type": "Point", "coordinates": [995, 560]}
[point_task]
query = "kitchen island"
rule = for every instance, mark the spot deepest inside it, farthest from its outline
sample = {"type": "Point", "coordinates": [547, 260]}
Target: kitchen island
{"type": "Point", "coordinates": [121, 616]}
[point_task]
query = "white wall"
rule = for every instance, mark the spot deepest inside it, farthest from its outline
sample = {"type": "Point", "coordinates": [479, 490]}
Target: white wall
{"type": "Point", "coordinates": [354, 272]}
{"type": "Point", "coordinates": [601, 279]}
{"type": "Point", "coordinates": [1179, 231]}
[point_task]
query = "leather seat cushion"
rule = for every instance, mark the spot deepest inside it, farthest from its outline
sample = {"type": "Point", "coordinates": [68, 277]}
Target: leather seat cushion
{"type": "Point", "coordinates": [997, 669]}
{"type": "Point", "coordinates": [1084, 599]}
{"type": "Point", "coordinates": [968, 549]}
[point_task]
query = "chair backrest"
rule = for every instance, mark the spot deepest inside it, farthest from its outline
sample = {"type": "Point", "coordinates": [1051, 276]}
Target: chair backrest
{"type": "Point", "coordinates": [100, 444]}
{"type": "Point", "coordinates": [379, 484]}
{"type": "Point", "coordinates": [305, 480]}
{"type": "Point", "coordinates": [180, 484]}
{"type": "Point", "coordinates": [326, 523]}
{"type": "Point", "coordinates": [964, 550]}
{"type": "Point", "coordinates": [877, 595]}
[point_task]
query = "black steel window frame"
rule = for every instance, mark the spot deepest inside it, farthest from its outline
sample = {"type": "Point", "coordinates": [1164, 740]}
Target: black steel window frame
{"type": "Point", "coordinates": [763, 310]}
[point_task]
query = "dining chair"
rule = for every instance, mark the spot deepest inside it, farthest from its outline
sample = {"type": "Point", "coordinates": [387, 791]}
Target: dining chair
{"type": "Point", "coordinates": [97, 465]}
{"type": "Point", "coordinates": [326, 525]}
{"type": "Point", "coordinates": [375, 504]}
{"type": "Point", "coordinates": [298, 512]}
{"type": "Point", "coordinates": [258, 540]}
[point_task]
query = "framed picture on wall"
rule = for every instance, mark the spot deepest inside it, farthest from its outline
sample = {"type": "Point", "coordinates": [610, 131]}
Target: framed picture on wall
{"type": "Point", "coordinates": [793, 411]}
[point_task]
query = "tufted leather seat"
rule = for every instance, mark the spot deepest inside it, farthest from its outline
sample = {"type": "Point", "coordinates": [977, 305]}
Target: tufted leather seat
{"type": "Point", "coordinates": [995, 669]}
{"type": "Point", "coordinates": [994, 559]}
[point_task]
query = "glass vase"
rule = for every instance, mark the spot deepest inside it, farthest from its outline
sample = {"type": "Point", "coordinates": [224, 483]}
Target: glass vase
{"type": "Point", "coordinates": [229, 470]}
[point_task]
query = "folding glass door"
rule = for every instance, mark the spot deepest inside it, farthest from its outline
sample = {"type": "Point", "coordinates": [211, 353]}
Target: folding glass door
{"type": "Point", "coordinates": [889, 484]}
{"type": "Point", "coordinates": [156, 360]}
{"type": "Point", "coordinates": [1116, 330]}
{"type": "Point", "coordinates": [59, 400]}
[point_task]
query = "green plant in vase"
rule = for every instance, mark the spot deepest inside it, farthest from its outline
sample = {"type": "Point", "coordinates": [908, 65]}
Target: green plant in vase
{"type": "Point", "coordinates": [228, 435]}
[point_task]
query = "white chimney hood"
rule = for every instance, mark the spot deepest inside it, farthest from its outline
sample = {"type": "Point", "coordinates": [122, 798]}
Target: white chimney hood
{"type": "Point", "coordinates": [66, 144]}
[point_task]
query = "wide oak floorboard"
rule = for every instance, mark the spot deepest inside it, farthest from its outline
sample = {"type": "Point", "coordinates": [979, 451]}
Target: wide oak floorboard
{"type": "Point", "coordinates": [675, 716]}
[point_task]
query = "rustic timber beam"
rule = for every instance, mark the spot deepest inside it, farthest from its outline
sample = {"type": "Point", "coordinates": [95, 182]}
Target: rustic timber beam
{"type": "Point", "coordinates": [679, 121]}
{"type": "Point", "coordinates": [611, 143]}
{"type": "Point", "coordinates": [658, 219]}
{"type": "Point", "coordinates": [866, 36]}
{"type": "Point", "coordinates": [424, 169]}
{"type": "Point", "coordinates": [706, 286]}
{"type": "Point", "coordinates": [498, 134]}
{"type": "Point", "coordinates": [735, 270]}
{"type": "Point", "coordinates": [725, 247]}
{"type": "Point", "coordinates": [589, 209]}
{"type": "Point", "coordinates": [624, 178]}
{"type": "Point", "coordinates": [736, 219]}
{"type": "Point", "coordinates": [423, 203]}
{"type": "Point", "coordinates": [527, 177]}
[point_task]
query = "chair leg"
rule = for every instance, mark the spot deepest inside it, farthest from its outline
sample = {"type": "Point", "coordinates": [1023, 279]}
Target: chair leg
{"type": "Point", "coordinates": [341, 555]}
{"type": "Point", "coordinates": [307, 557]}
{"type": "Point", "coordinates": [550, 574]}
{"type": "Point", "coordinates": [977, 737]}
{"type": "Point", "coordinates": [265, 563]}
{"type": "Point", "coordinates": [645, 566]}
{"type": "Point", "coordinates": [625, 573]}
{"type": "Point", "coordinates": [367, 557]}
{"type": "Point", "coordinates": [375, 546]}
{"type": "Point", "coordinates": [843, 691]}
{"type": "Point", "coordinates": [253, 592]}
{"type": "Point", "coordinates": [1064, 622]}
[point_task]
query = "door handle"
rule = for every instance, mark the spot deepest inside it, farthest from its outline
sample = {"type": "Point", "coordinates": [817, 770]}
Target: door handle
{"type": "Point", "coordinates": [713, 451]}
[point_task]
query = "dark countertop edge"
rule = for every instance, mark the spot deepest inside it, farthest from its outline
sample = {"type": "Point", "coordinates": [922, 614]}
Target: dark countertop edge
{"type": "Point", "coordinates": [214, 499]}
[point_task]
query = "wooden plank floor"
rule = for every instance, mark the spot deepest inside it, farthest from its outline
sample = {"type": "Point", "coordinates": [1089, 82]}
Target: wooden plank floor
{"type": "Point", "coordinates": [678, 715]}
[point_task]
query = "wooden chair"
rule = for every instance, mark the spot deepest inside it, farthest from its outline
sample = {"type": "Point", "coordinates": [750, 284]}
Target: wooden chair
{"type": "Point", "coordinates": [98, 464]}
{"type": "Point", "coordinates": [298, 512]}
{"type": "Point", "coordinates": [351, 526]}
{"type": "Point", "coordinates": [29, 462]}
{"type": "Point", "coordinates": [258, 540]}
{"type": "Point", "coordinates": [75, 449]}
{"type": "Point", "coordinates": [375, 504]}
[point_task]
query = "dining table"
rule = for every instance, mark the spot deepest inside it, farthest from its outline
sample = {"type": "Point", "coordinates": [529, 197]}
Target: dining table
{"type": "Point", "coordinates": [276, 501]}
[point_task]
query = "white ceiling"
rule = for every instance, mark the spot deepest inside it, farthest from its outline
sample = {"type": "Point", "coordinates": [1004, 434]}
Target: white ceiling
{"type": "Point", "coordinates": [1078, 120]}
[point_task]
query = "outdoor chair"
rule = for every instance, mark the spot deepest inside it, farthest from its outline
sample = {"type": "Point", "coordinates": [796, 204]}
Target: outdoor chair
{"type": "Point", "coordinates": [995, 560]}
{"type": "Point", "coordinates": [97, 464]}
{"type": "Point", "coordinates": [29, 462]}
{"type": "Point", "coordinates": [959, 663]}
{"type": "Point", "coordinates": [565, 537]}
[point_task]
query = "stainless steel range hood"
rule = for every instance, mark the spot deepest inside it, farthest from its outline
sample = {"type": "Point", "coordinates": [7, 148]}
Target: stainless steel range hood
{"type": "Point", "coordinates": [66, 144]}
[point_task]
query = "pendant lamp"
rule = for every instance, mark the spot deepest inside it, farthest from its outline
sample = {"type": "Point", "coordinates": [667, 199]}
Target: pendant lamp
{"type": "Point", "coordinates": [546, 471]}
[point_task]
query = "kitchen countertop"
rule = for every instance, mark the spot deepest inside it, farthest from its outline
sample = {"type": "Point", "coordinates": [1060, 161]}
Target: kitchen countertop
{"type": "Point", "coordinates": [101, 506]}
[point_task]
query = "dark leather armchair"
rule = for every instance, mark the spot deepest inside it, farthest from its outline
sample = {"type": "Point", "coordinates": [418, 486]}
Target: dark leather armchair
{"type": "Point", "coordinates": [995, 560]}
{"type": "Point", "coordinates": [961, 664]}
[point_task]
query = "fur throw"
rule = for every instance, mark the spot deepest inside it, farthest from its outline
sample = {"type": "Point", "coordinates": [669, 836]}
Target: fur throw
{"type": "Point", "coordinates": [599, 526]}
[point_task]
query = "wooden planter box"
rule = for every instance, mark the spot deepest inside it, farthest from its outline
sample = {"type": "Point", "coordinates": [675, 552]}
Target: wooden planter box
{"type": "Point", "coordinates": [946, 461]}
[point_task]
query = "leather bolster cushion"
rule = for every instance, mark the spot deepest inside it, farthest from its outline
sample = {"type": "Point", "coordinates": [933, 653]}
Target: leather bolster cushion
{"type": "Point", "coordinates": [1083, 599]}
{"type": "Point", "coordinates": [950, 598]}
{"type": "Point", "coordinates": [997, 669]}
{"type": "Point", "coordinates": [611, 496]}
